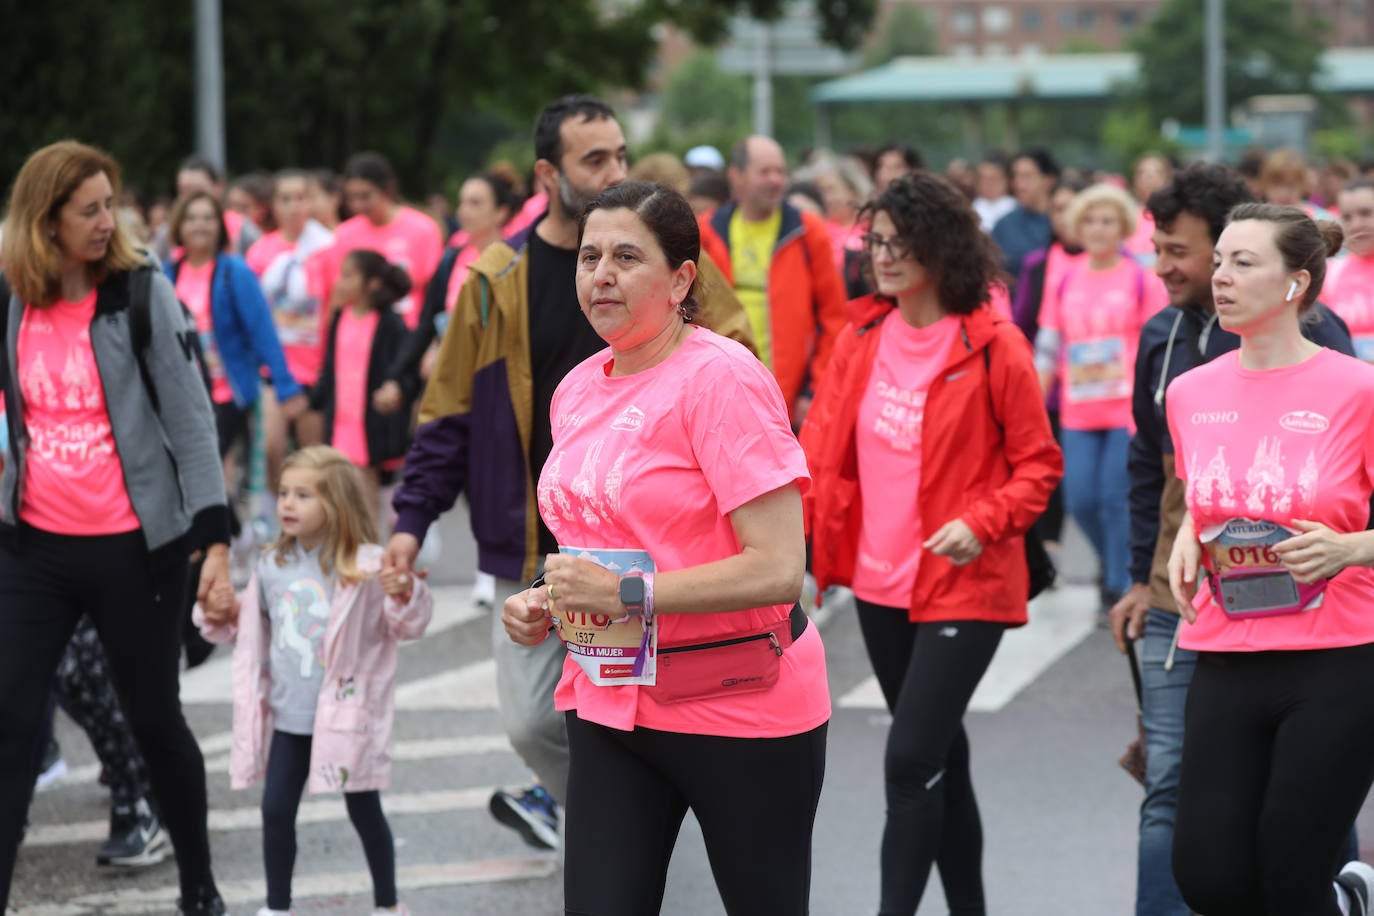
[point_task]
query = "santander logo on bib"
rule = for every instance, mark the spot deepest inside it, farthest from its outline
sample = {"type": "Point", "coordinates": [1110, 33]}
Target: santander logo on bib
{"type": "Point", "coordinates": [1304, 421]}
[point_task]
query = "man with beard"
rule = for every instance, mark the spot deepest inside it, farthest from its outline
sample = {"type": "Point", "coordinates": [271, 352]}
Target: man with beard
{"type": "Point", "coordinates": [1189, 215]}
{"type": "Point", "coordinates": [515, 332]}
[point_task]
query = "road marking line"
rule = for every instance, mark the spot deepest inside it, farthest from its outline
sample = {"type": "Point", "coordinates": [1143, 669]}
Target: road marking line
{"type": "Point", "coordinates": [422, 749]}
{"type": "Point", "coordinates": [246, 893]}
{"type": "Point", "coordinates": [1060, 620]}
{"type": "Point", "coordinates": [312, 811]}
{"type": "Point", "coordinates": [469, 687]}
{"type": "Point", "coordinates": [212, 681]}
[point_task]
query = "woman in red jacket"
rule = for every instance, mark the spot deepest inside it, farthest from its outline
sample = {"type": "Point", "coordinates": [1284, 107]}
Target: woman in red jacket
{"type": "Point", "coordinates": [931, 455]}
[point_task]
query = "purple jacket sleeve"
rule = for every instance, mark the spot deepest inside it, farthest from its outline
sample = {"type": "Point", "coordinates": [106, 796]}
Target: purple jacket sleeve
{"type": "Point", "coordinates": [436, 471]}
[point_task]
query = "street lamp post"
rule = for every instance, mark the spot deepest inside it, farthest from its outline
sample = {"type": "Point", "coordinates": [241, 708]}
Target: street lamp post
{"type": "Point", "coordinates": [1216, 80]}
{"type": "Point", "coordinates": [209, 83]}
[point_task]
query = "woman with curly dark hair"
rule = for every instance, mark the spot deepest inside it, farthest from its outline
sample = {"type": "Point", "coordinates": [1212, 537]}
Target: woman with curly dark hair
{"type": "Point", "coordinates": [931, 456]}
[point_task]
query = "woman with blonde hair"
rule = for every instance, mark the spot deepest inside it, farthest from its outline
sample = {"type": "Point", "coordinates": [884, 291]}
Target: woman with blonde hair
{"type": "Point", "coordinates": [1089, 330]}
{"type": "Point", "coordinates": [110, 424]}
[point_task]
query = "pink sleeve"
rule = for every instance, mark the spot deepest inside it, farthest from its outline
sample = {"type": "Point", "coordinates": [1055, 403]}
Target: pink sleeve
{"type": "Point", "coordinates": [740, 433]}
{"type": "Point", "coordinates": [429, 250]}
{"type": "Point", "coordinates": [1171, 408]}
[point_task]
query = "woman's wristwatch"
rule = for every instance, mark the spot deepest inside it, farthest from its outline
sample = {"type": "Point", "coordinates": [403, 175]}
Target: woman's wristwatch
{"type": "Point", "coordinates": [637, 593]}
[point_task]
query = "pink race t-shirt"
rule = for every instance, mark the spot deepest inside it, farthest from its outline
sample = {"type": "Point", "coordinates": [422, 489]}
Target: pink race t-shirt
{"type": "Point", "coordinates": [1279, 445]}
{"type": "Point", "coordinates": [411, 241]}
{"type": "Point", "coordinates": [888, 440]}
{"type": "Point", "coordinates": [193, 288]}
{"type": "Point", "coordinates": [294, 276]}
{"type": "Point", "coordinates": [75, 480]}
{"type": "Point", "coordinates": [352, 354]}
{"type": "Point", "coordinates": [656, 461]}
{"type": "Point", "coordinates": [266, 250]}
{"type": "Point", "coordinates": [1099, 314]}
{"type": "Point", "coordinates": [1349, 291]}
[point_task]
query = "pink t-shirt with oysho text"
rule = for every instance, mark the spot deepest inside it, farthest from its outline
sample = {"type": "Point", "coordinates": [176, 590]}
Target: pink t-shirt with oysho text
{"type": "Point", "coordinates": [194, 289]}
{"type": "Point", "coordinates": [1099, 314]}
{"type": "Point", "coordinates": [888, 440]}
{"type": "Point", "coordinates": [1274, 446]}
{"type": "Point", "coordinates": [352, 354]}
{"type": "Point", "coordinates": [75, 480]}
{"type": "Point", "coordinates": [411, 241]}
{"type": "Point", "coordinates": [656, 461]}
{"type": "Point", "coordinates": [1349, 292]}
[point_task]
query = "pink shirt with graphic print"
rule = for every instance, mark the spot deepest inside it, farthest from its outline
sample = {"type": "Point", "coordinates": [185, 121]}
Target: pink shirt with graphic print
{"type": "Point", "coordinates": [75, 481]}
{"type": "Point", "coordinates": [1099, 314]}
{"type": "Point", "coordinates": [888, 440]}
{"type": "Point", "coordinates": [656, 461]}
{"type": "Point", "coordinates": [1349, 291]}
{"type": "Point", "coordinates": [1279, 445]}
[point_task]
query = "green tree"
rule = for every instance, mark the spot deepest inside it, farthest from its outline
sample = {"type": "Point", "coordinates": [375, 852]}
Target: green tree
{"type": "Point", "coordinates": [431, 83]}
{"type": "Point", "coordinates": [1272, 46]}
{"type": "Point", "coordinates": [906, 31]}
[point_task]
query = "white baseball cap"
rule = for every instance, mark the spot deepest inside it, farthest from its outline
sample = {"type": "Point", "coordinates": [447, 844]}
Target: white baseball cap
{"type": "Point", "coordinates": [704, 157]}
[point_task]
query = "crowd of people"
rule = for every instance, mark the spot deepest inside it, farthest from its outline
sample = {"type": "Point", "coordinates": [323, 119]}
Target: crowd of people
{"type": "Point", "coordinates": [670, 391]}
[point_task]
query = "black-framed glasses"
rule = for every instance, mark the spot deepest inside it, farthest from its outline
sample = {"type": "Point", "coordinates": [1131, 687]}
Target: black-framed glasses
{"type": "Point", "coordinates": [896, 247]}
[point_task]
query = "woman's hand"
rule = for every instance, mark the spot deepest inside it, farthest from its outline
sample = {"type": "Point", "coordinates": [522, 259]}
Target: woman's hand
{"type": "Point", "coordinates": [387, 398]}
{"type": "Point", "coordinates": [294, 407]}
{"type": "Point", "coordinates": [1184, 561]}
{"type": "Point", "coordinates": [214, 572]}
{"type": "Point", "coordinates": [1319, 552]}
{"type": "Point", "coordinates": [526, 616]}
{"type": "Point", "coordinates": [581, 587]}
{"type": "Point", "coordinates": [956, 541]}
{"type": "Point", "coordinates": [221, 605]}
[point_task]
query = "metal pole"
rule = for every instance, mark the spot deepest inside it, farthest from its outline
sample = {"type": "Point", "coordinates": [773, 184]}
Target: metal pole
{"type": "Point", "coordinates": [763, 82]}
{"type": "Point", "coordinates": [209, 83]}
{"type": "Point", "coordinates": [1216, 80]}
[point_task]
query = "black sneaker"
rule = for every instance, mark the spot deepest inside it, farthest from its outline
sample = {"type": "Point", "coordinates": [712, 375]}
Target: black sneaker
{"type": "Point", "coordinates": [533, 814]}
{"type": "Point", "coordinates": [205, 904]}
{"type": "Point", "coordinates": [1358, 880]}
{"type": "Point", "coordinates": [137, 839]}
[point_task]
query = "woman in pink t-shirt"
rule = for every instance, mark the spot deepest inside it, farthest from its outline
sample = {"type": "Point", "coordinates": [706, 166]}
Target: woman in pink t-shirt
{"type": "Point", "coordinates": [674, 489]}
{"type": "Point", "coordinates": [1276, 449]}
{"type": "Point", "coordinates": [402, 235]}
{"type": "Point", "coordinates": [1349, 289]}
{"type": "Point", "coordinates": [111, 485]}
{"type": "Point", "coordinates": [1089, 330]}
{"type": "Point", "coordinates": [931, 456]}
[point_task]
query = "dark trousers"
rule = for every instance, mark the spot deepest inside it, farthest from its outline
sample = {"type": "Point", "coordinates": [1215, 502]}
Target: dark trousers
{"type": "Point", "coordinates": [928, 672]}
{"type": "Point", "coordinates": [1278, 756]}
{"type": "Point", "coordinates": [47, 581]}
{"type": "Point", "coordinates": [288, 770]}
{"type": "Point", "coordinates": [628, 792]}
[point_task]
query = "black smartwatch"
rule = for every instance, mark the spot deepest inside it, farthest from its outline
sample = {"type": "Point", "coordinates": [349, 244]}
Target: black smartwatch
{"type": "Point", "coordinates": [633, 593]}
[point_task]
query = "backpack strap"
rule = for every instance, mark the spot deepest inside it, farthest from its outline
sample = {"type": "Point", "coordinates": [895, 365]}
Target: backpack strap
{"type": "Point", "coordinates": [141, 327]}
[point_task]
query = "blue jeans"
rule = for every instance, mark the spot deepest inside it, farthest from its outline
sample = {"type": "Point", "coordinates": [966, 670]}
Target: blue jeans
{"type": "Point", "coordinates": [1096, 492]}
{"type": "Point", "coordinates": [1164, 694]}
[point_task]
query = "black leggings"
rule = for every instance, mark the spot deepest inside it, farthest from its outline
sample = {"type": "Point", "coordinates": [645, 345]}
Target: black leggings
{"type": "Point", "coordinates": [47, 581]}
{"type": "Point", "coordinates": [288, 769]}
{"type": "Point", "coordinates": [86, 693]}
{"type": "Point", "coordinates": [928, 672]}
{"type": "Point", "coordinates": [628, 792]}
{"type": "Point", "coordinates": [1278, 756]}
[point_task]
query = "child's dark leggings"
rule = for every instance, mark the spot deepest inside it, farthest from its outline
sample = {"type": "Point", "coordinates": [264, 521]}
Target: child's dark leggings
{"type": "Point", "coordinates": [288, 768]}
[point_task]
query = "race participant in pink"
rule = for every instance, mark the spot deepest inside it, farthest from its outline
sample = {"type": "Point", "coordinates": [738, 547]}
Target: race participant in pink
{"type": "Point", "coordinates": [1349, 287]}
{"type": "Point", "coordinates": [1089, 330]}
{"type": "Point", "coordinates": [693, 679]}
{"type": "Point", "coordinates": [1271, 571]}
{"type": "Point", "coordinates": [401, 234]}
{"type": "Point", "coordinates": [290, 264]}
{"type": "Point", "coordinates": [1152, 171]}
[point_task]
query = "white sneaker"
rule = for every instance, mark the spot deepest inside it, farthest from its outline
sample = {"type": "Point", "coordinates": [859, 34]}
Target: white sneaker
{"type": "Point", "coordinates": [1358, 880]}
{"type": "Point", "coordinates": [266, 912]}
{"type": "Point", "coordinates": [397, 910]}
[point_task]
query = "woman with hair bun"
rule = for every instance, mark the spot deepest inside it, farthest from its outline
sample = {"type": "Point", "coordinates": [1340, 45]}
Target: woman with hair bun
{"type": "Point", "coordinates": [1271, 571]}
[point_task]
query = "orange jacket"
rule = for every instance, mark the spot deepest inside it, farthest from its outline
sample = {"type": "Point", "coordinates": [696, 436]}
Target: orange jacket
{"type": "Point", "coordinates": [997, 482]}
{"type": "Point", "coordinates": [805, 293]}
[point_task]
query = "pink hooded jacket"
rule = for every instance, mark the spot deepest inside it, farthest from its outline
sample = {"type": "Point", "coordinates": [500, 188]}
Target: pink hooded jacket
{"type": "Point", "coordinates": [352, 742]}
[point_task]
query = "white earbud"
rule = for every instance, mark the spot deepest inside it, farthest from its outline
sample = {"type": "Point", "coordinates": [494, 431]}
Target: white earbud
{"type": "Point", "coordinates": [1292, 290]}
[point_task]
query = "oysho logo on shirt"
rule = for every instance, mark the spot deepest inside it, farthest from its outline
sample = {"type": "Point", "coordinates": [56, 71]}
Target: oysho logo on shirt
{"type": "Point", "coordinates": [1304, 421]}
{"type": "Point", "coordinates": [1205, 417]}
{"type": "Point", "coordinates": [631, 420]}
